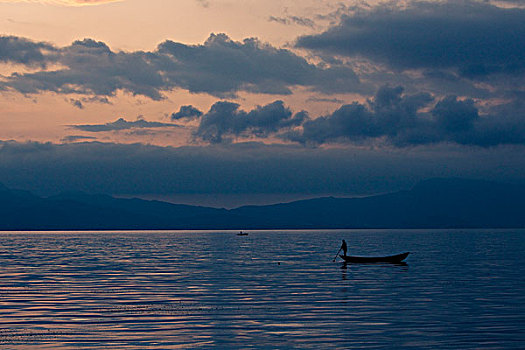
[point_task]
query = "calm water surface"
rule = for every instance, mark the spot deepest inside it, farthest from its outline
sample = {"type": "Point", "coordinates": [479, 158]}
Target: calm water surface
{"type": "Point", "coordinates": [269, 290]}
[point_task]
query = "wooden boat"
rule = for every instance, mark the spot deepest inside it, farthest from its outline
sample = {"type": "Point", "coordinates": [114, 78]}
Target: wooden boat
{"type": "Point", "coordinates": [242, 234]}
{"type": "Point", "coordinates": [375, 259]}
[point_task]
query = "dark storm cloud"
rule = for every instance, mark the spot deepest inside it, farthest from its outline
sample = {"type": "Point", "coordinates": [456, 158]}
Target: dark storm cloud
{"type": "Point", "coordinates": [407, 120]}
{"type": "Point", "coordinates": [20, 50]}
{"type": "Point", "coordinates": [122, 124]}
{"type": "Point", "coordinates": [225, 119]}
{"type": "Point", "coordinates": [243, 168]}
{"type": "Point", "coordinates": [220, 67]}
{"type": "Point", "coordinates": [504, 124]}
{"type": "Point", "coordinates": [93, 69]}
{"type": "Point", "coordinates": [389, 114]}
{"type": "Point", "coordinates": [475, 38]}
{"type": "Point", "coordinates": [186, 112]}
{"type": "Point", "coordinates": [392, 117]}
{"type": "Point", "coordinates": [455, 116]}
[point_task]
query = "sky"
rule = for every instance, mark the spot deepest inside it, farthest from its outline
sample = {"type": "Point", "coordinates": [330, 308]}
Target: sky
{"type": "Point", "coordinates": [232, 102]}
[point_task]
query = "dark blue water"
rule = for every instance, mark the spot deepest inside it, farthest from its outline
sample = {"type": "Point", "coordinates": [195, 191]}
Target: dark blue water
{"type": "Point", "coordinates": [268, 290]}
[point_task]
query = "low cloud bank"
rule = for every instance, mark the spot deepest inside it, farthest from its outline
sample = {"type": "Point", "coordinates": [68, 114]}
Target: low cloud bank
{"type": "Point", "coordinates": [407, 120]}
{"type": "Point", "coordinates": [122, 124]}
{"type": "Point", "coordinates": [474, 38]}
{"type": "Point", "coordinates": [220, 66]}
{"type": "Point", "coordinates": [249, 168]}
{"type": "Point", "coordinates": [391, 117]}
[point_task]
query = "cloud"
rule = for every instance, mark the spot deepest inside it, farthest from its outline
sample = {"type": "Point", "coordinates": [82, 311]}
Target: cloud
{"type": "Point", "coordinates": [388, 114]}
{"type": "Point", "coordinates": [390, 118]}
{"type": "Point", "coordinates": [204, 3]}
{"type": "Point", "coordinates": [455, 116]}
{"type": "Point", "coordinates": [186, 112]}
{"type": "Point", "coordinates": [220, 67]}
{"type": "Point", "coordinates": [324, 99]}
{"type": "Point", "coordinates": [225, 119]}
{"type": "Point", "coordinates": [149, 169]}
{"type": "Point", "coordinates": [243, 168]}
{"type": "Point", "coordinates": [76, 103]}
{"type": "Point", "coordinates": [475, 38]}
{"type": "Point", "coordinates": [403, 120]}
{"type": "Point", "coordinates": [122, 124]}
{"type": "Point", "coordinates": [76, 138]}
{"type": "Point", "coordinates": [79, 103]}
{"type": "Point", "coordinates": [92, 69]}
{"type": "Point", "coordinates": [301, 21]}
{"type": "Point", "coordinates": [503, 124]}
{"type": "Point", "coordinates": [516, 3]}
{"type": "Point", "coordinates": [24, 51]}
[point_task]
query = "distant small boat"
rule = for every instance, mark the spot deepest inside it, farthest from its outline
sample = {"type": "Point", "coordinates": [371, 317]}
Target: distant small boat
{"type": "Point", "coordinates": [375, 259]}
{"type": "Point", "coordinates": [242, 234]}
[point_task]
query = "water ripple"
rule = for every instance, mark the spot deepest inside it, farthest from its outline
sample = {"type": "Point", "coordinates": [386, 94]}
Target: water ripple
{"type": "Point", "coordinates": [268, 290]}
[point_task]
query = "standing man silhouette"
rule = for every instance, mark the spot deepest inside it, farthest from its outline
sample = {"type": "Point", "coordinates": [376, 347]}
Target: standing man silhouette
{"type": "Point", "coordinates": [344, 247]}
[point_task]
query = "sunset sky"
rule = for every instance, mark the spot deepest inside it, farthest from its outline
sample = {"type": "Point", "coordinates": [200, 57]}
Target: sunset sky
{"type": "Point", "coordinates": [230, 102]}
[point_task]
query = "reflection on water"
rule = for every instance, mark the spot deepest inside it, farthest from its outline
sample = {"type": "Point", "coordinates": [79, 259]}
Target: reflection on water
{"type": "Point", "coordinates": [346, 266]}
{"type": "Point", "coordinates": [271, 289]}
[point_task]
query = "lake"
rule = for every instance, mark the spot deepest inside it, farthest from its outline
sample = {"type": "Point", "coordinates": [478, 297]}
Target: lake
{"type": "Point", "coordinates": [460, 289]}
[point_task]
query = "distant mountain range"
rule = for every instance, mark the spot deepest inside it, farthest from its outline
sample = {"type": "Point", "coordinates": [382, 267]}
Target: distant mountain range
{"type": "Point", "coordinates": [435, 203]}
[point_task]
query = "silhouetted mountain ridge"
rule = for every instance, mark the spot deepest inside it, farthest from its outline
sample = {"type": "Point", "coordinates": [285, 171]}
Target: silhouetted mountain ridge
{"type": "Point", "coordinates": [434, 203]}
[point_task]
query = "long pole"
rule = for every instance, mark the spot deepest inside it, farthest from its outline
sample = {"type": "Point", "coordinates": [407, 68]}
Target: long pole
{"type": "Point", "coordinates": [337, 254]}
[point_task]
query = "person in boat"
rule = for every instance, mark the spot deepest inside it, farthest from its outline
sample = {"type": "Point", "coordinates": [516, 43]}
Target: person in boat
{"type": "Point", "coordinates": [344, 248]}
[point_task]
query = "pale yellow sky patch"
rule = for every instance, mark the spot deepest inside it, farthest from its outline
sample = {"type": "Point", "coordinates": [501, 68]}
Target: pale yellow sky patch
{"type": "Point", "coordinates": [64, 2]}
{"type": "Point", "coordinates": [141, 25]}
